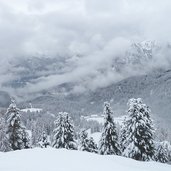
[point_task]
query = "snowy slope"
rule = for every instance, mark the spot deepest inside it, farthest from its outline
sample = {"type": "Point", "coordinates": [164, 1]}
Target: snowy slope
{"type": "Point", "coordinates": [65, 160]}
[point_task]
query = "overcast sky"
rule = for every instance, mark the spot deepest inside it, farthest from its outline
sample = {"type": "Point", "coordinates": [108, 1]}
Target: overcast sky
{"type": "Point", "coordinates": [55, 26]}
{"type": "Point", "coordinates": [95, 29]}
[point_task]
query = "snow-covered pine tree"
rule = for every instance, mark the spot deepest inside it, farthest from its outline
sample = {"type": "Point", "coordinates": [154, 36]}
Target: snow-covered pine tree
{"type": "Point", "coordinates": [84, 141]}
{"type": "Point", "coordinates": [92, 146]}
{"type": "Point", "coordinates": [4, 143]}
{"type": "Point", "coordinates": [137, 132]}
{"type": "Point", "coordinates": [64, 133]}
{"type": "Point", "coordinates": [108, 144]}
{"type": "Point", "coordinates": [162, 152]}
{"type": "Point", "coordinates": [58, 137]}
{"type": "Point", "coordinates": [15, 129]}
{"type": "Point", "coordinates": [44, 141]}
{"type": "Point", "coordinates": [26, 139]}
{"type": "Point", "coordinates": [70, 134]}
{"type": "Point", "coordinates": [36, 129]}
{"type": "Point", "coordinates": [169, 150]}
{"type": "Point", "coordinates": [87, 144]}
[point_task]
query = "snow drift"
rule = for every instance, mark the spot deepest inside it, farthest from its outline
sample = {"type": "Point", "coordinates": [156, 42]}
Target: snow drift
{"type": "Point", "coordinates": [51, 159]}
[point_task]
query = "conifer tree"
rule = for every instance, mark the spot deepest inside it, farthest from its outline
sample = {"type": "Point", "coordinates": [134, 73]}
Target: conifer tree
{"type": "Point", "coordinates": [162, 152]}
{"type": "Point", "coordinates": [64, 132]}
{"type": "Point", "coordinates": [4, 143]}
{"type": "Point", "coordinates": [71, 143]}
{"type": "Point", "coordinates": [108, 144]}
{"type": "Point", "coordinates": [15, 130]}
{"type": "Point", "coordinates": [44, 141]}
{"type": "Point", "coordinates": [87, 144]}
{"type": "Point", "coordinates": [84, 141]}
{"type": "Point", "coordinates": [137, 132]}
{"type": "Point", "coordinates": [26, 139]}
{"type": "Point", "coordinates": [36, 129]}
{"type": "Point", "coordinates": [92, 145]}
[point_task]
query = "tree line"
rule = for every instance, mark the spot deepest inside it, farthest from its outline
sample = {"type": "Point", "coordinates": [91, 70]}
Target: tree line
{"type": "Point", "coordinates": [134, 140]}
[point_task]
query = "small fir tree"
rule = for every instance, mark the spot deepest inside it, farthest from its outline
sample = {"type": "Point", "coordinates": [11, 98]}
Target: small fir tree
{"type": "Point", "coordinates": [26, 139]}
{"type": "Point", "coordinates": [92, 146]}
{"type": "Point", "coordinates": [162, 152]}
{"type": "Point", "coordinates": [137, 132]}
{"type": "Point", "coordinates": [44, 141]}
{"type": "Point", "coordinates": [84, 141]}
{"type": "Point", "coordinates": [108, 144]}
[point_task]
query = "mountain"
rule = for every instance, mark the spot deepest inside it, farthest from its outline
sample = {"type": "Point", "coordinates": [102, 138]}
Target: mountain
{"type": "Point", "coordinates": [141, 75]}
{"type": "Point", "coordinates": [139, 58]}
{"type": "Point", "coordinates": [154, 89]}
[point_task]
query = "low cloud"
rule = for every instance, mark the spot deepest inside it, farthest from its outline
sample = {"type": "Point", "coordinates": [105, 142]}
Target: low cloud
{"type": "Point", "coordinates": [90, 35]}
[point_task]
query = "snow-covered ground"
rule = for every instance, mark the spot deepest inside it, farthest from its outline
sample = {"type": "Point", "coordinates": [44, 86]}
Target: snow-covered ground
{"type": "Point", "coordinates": [96, 136]}
{"type": "Point", "coordinates": [32, 110]}
{"type": "Point", "coordinates": [100, 119]}
{"type": "Point", "coordinates": [66, 160]}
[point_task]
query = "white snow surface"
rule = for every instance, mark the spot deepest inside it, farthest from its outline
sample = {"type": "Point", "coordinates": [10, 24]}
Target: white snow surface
{"type": "Point", "coordinates": [100, 119]}
{"type": "Point", "coordinates": [51, 159]}
{"type": "Point", "coordinates": [32, 110]}
{"type": "Point", "coordinates": [96, 136]}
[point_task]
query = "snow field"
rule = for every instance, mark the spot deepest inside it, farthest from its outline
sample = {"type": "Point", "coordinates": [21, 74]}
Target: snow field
{"type": "Point", "coordinates": [51, 159]}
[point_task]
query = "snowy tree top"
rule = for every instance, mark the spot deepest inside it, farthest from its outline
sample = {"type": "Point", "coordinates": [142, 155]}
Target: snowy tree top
{"type": "Point", "coordinates": [107, 108]}
{"type": "Point", "coordinates": [139, 105]}
{"type": "Point", "coordinates": [13, 104]}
